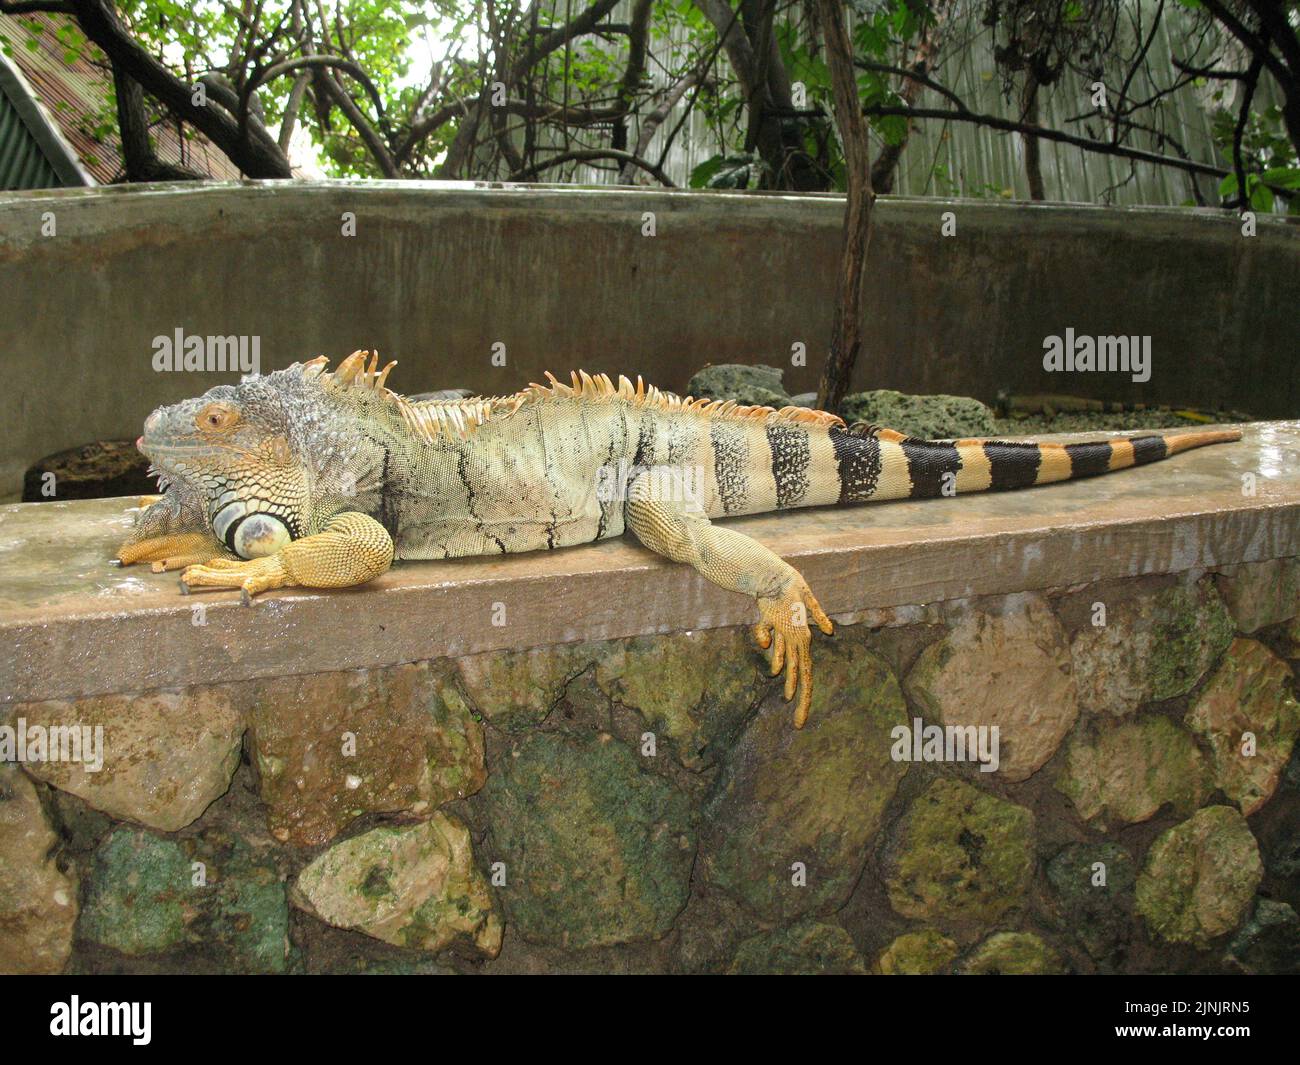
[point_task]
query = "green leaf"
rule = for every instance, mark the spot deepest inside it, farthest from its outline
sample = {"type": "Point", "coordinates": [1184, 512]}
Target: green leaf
{"type": "Point", "coordinates": [704, 172]}
{"type": "Point", "coordinates": [1287, 177]}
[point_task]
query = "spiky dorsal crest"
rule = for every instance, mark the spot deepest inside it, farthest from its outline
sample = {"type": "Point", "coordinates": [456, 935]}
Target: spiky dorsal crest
{"type": "Point", "coordinates": [435, 419]}
{"type": "Point", "coordinates": [353, 372]}
{"type": "Point", "coordinates": [359, 374]}
{"type": "Point", "coordinates": [600, 387]}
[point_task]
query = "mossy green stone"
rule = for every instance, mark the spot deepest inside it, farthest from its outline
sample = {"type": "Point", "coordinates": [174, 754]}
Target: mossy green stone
{"type": "Point", "coordinates": [694, 687]}
{"type": "Point", "coordinates": [917, 954]}
{"type": "Point", "coordinates": [1093, 885]}
{"type": "Point", "coordinates": [1193, 627]}
{"type": "Point", "coordinates": [597, 849]}
{"type": "Point", "coordinates": [811, 798]}
{"type": "Point", "coordinates": [749, 385]}
{"type": "Point", "coordinates": [137, 895]}
{"type": "Point", "coordinates": [248, 914]}
{"type": "Point", "coordinates": [142, 899]}
{"type": "Point", "coordinates": [1200, 876]}
{"type": "Point", "coordinates": [960, 855]}
{"type": "Point", "coordinates": [808, 948]}
{"type": "Point", "coordinates": [1250, 693]}
{"type": "Point", "coordinates": [516, 690]}
{"type": "Point", "coordinates": [1126, 772]}
{"type": "Point", "coordinates": [1013, 954]}
{"type": "Point", "coordinates": [1151, 647]}
{"type": "Point", "coordinates": [414, 886]}
{"type": "Point", "coordinates": [1269, 943]}
{"type": "Point", "coordinates": [936, 417]}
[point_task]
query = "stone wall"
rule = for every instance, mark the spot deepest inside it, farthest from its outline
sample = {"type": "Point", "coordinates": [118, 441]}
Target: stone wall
{"type": "Point", "coordinates": [644, 804]}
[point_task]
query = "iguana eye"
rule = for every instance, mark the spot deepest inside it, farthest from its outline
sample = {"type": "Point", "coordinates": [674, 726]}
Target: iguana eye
{"type": "Point", "coordinates": [216, 418]}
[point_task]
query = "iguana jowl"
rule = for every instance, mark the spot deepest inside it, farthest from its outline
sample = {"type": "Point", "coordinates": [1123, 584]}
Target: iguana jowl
{"type": "Point", "coordinates": [309, 478]}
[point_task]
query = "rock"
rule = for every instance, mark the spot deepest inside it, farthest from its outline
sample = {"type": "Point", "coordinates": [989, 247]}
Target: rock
{"type": "Point", "coordinates": [708, 932]}
{"type": "Point", "coordinates": [1151, 647]}
{"type": "Point", "coordinates": [804, 399]}
{"type": "Point", "coordinates": [414, 886]}
{"type": "Point", "coordinates": [1250, 692]}
{"type": "Point", "coordinates": [1013, 954]}
{"type": "Point", "coordinates": [1260, 594]}
{"type": "Point", "coordinates": [516, 690]}
{"type": "Point", "coordinates": [1125, 772]}
{"type": "Point", "coordinates": [814, 796]}
{"type": "Point", "coordinates": [1290, 638]}
{"type": "Point", "coordinates": [1093, 885]}
{"type": "Point", "coordinates": [693, 687]}
{"type": "Point", "coordinates": [925, 417]}
{"type": "Point", "coordinates": [808, 948]}
{"type": "Point", "coordinates": [1009, 670]}
{"type": "Point", "coordinates": [1200, 877]}
{"type": "Point", "coordinates": [1269, 943]}
{"type": "Point", "coordinates": [596, 849]}
{"type": "Point", "coordinates": [92, 471]}
{"type": "Point", "coordinates": [38, 902]}
{"type": "Point", "coordinates": [213, 896]}
{"type": "Point", "coordinates": [920, 953]}
{"type": "Point", "coordinates": [960, 855]}
{"type": "Point", "coordinates": [331, 747]}
{"type": "Point", "coordinates": [166, 755]}
{"type": "Point", "coordinates": [751, 386]}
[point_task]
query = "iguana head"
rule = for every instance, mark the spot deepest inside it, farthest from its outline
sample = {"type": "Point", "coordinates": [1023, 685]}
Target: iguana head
{"type": "Point", "coordinates": [268, 460]}
{"type": "Point", "coordinates": [229, 453]}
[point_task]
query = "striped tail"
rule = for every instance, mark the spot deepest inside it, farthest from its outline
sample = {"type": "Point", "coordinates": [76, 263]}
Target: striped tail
{"type": "Point", "coordinates": [875, 463]}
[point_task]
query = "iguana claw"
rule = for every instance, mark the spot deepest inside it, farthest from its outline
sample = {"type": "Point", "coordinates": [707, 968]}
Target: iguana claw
{"type": "Point", "coordinates": [785, 630]}
{"type": "Point", "coordinates": [250, 577]}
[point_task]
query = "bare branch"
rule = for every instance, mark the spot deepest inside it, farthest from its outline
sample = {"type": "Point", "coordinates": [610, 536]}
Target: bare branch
{"type": "Point", "coordinates": [587, 155]}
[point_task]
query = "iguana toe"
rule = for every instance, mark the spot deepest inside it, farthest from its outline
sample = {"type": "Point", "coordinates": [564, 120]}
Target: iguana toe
{"type": "Point", "coordinates": [251, 577]}
{"type": "Point", "coordinates": [784, 629]}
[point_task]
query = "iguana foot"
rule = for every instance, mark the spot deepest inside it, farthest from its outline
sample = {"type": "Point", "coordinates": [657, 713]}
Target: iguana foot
{"type": "Point", "coordinates": [168, 552]}
{"type": "Point", "coordinates": [251, 577]}
{"type": "Point", "coordinates": [785, 630]}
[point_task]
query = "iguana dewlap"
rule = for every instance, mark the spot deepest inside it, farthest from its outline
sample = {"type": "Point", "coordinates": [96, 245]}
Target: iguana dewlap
{"type": "Point", "coordinates": [308, 478]}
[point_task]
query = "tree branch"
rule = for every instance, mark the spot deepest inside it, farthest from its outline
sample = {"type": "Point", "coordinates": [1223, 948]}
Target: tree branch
{"type": "Point", "coordinates": [587, 155]}
{"type": "Point", "coordinates": [560, 36]}
{"type": "Point", "coordinates": [253, 150]}
{"type": "Point", "coordinates": [846, 332]}
{"type": "Point", "coordinates": [1011, 126]}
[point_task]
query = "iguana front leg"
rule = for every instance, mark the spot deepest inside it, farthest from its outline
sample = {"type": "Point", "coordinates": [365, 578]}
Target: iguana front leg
{"type": "Point", "coordinates": [168, 536]}
{"type": "Point", "coordinates": [352, 549]}
{"type": "Point", "coordinates": [667, 520]}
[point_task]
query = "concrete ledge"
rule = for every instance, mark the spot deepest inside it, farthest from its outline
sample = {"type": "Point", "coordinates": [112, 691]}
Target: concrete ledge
{"type": "Point", "coordinates": [73, 625]}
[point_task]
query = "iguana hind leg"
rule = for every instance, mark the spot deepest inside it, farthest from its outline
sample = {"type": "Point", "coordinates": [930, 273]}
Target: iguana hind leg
{"type": "Point", "coordinates": [353, 549]}
{"type": "Point", "coordinates": [664, 517]}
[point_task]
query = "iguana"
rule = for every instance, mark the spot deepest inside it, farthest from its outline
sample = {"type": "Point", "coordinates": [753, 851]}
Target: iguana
{"type": "Point", "coordinates": [304, 477]}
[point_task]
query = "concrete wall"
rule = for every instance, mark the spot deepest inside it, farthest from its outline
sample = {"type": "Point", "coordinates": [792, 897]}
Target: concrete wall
{"type": "Point", "coordinates": [564, 278]}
